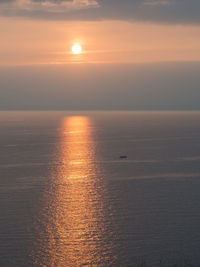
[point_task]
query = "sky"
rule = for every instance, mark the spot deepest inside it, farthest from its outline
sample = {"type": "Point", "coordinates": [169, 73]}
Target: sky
{"type": "Point", "coordinates": [136, 54]}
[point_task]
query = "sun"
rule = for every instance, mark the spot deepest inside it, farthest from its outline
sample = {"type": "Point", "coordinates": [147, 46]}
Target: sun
{"type": "Point", "coordinates": [76, 49]}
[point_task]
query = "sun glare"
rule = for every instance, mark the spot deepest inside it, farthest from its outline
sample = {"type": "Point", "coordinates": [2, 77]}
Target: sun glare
{"type": "Point", "coordinates": [76, 49]}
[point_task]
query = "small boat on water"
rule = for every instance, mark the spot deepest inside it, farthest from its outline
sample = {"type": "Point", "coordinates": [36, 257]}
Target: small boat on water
{"type": "Point", "coordinates": [123, 157]}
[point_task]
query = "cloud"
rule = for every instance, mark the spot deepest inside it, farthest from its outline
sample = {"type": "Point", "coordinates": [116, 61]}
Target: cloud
{"type": "Point", "coordinates": [44, 8]}
{"type": "Point", "coordinates": [162, 11]}
{"type": "Point", "coordinates": [157, 2]}
{"type": "Point", "coordinates": [53, 6]}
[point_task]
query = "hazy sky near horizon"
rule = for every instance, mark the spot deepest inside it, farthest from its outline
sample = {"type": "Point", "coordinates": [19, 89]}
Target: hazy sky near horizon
{"type": "Point", "coordinates": [119, 39]}
{"type": "Point", "coordinates": [154, 86]}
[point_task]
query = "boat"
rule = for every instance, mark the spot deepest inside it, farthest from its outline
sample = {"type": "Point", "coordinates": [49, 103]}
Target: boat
{"type": "Point", "coordinates": [123, 157]}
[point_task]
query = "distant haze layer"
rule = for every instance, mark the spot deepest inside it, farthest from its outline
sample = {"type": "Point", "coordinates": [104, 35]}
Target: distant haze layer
{"type": "Point", "coordinates": [162, 86]}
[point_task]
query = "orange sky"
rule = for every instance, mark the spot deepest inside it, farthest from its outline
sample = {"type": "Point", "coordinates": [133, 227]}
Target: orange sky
{"type": "Point", "coordinates": [49, 42]}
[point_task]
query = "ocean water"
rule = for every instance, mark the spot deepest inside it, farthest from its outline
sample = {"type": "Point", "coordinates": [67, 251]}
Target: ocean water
{"type": "Point", "coordinates": [67, 199]}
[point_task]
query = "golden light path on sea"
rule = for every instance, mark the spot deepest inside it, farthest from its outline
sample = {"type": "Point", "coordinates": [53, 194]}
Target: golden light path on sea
{"type": "Point", "coordinates": [75, 219]}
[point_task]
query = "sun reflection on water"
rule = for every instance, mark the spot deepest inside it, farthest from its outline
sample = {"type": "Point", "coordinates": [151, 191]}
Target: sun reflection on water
{"type": "Point", "coordinates": [74, 220]}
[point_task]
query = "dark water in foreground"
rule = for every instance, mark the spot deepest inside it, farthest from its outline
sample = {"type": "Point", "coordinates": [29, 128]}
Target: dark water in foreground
{"type": "Point", "coordinates": [66, 199]}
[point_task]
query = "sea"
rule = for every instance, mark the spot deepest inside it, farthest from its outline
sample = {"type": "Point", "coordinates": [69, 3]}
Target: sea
{"type": "Point", "coordinates": [68, 199]}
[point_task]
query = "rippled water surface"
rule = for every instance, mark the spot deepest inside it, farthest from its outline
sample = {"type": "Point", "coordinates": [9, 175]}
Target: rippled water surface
{"type": "Point", "coordinates": [67, 199]}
